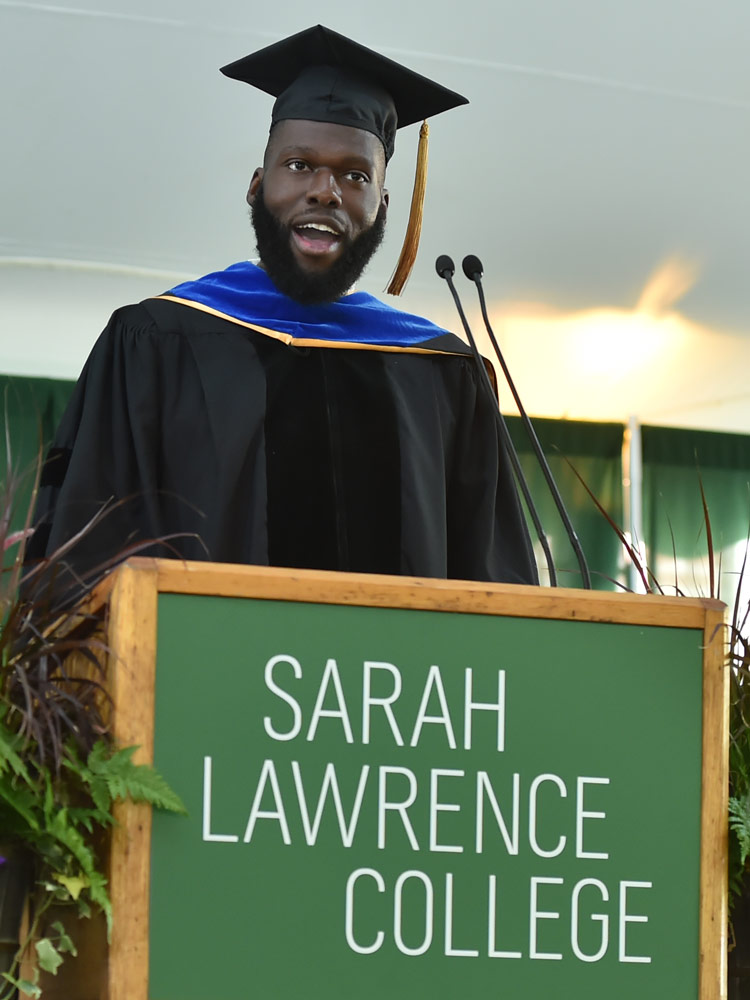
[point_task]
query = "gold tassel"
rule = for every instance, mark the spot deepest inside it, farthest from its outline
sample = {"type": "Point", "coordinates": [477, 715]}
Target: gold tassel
{"type": "Point", "coordinates": [414, 226]}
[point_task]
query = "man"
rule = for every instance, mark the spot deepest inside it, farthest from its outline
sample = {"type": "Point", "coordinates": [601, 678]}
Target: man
{"type": "Point", "coordinates": [265, 414]}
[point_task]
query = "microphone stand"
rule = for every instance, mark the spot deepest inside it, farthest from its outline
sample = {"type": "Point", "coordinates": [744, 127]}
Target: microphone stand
{"type": "Point", "coordinates": [446, 269]}
{"type": "Point", "coordinates": [472, 268]}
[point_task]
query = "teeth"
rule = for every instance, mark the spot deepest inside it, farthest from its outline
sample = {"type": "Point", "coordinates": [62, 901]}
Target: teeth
{"type": "Point", "coordinates": [321, 227]}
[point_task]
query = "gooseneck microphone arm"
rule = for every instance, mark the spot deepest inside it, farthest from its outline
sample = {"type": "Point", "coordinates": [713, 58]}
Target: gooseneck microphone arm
{"type": "Point", "coordinates": [446, 269]}
{"type": "Point", "coordinates": [472, 268]}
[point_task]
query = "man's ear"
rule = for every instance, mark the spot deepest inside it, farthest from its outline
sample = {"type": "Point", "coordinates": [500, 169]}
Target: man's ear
{"type": "Point", "coordinates": [254, 185]}
{"type": "Point", "coordinates": [385, 198]}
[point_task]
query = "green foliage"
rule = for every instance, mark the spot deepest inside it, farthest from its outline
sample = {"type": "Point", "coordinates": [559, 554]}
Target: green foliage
{"type": "Point", "coordinates": [111, 774]}
{"type": "Point", "coordinates": [739, 823]}
{"type": "Point", "coordinates": [739, 745]}
{"type": "Point", "coordinates": [59, 772]}
{"type": "Point", "coordinates": [31, 989]}
{"type": "Point", "coordinates": [48, 956]}
{"type": "Point", "coordinates": [60, 817]}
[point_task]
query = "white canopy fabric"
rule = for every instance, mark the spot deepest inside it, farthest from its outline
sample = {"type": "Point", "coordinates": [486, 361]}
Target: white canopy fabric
{"type": "Point", "coordinates": [604, 141]}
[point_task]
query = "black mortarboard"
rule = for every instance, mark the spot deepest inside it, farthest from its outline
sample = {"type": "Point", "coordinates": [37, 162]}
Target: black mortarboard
{"type": "Point", "coordinates": [320, 75]}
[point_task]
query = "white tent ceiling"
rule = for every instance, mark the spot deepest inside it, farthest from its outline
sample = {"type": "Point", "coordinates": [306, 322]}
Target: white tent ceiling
{"type": "Point", "coordinates": [603, 140]}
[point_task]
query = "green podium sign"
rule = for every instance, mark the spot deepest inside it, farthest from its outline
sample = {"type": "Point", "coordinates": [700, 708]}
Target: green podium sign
{"type": "Point", "coordinates": [421, 802]}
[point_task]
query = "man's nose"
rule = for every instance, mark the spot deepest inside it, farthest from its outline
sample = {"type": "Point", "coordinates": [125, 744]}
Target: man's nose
{"type": "Point", "coordinates": [324, 188]}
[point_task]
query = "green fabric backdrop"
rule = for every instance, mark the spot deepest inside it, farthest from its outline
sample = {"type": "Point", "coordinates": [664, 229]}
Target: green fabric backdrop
{"type": "Point", "coordinates": [594, 452]}
{"type": "Point", "coordinates": [32, 408]}
{"type": "Point", "coordinates": [672, 462]}
{"type": "Point", "coordinates": [675, 463]}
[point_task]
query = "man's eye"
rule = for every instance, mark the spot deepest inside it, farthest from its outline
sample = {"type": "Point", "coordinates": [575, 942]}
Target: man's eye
{"type": "Point", "coordinates": [357, 176]}
{"type": "Point", "coordinates": [297, 165]}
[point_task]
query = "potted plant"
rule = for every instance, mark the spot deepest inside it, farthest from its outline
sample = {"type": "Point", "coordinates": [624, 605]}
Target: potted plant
{"type": "Point", "coordinates": [59, 771]}
{"type": "Point", "coordinates": [739, 798]}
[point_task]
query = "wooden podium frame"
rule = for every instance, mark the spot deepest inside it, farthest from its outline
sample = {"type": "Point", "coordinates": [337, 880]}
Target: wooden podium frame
{"type": "Point", "coordinates": [132, 629]}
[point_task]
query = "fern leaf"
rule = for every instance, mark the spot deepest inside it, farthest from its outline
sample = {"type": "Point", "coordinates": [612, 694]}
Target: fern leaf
{"type": "Point", "coordinates": [10, 744]}
{"type": "Point", "coordinates": [138, 782]}
{"type": "Point", "coordinates": [739, 822]}
{"type": "Point", "coordinates": [97, 891]}
{"type": "Point", "coordinates": [100, 793]}
{"type": "Point", "coordinates": [22, 802]}
{"type": "Point", "coordinates": [66, 834]}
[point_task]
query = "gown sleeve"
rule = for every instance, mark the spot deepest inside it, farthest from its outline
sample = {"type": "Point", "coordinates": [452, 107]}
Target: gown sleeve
{"type": "Point", "coordinates": [105, 460]}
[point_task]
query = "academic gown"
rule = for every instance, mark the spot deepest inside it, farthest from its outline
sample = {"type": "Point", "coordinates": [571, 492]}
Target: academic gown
{"type": "Point", "coordinates": [349, 436]}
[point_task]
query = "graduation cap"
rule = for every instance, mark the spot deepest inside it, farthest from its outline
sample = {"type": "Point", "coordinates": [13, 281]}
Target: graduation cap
{"type": "Point", "coordinates": [320, 75]}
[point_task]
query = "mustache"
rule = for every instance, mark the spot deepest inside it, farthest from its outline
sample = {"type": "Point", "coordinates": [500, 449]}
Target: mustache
{"type": "Point", "coordinates": [273, 241]}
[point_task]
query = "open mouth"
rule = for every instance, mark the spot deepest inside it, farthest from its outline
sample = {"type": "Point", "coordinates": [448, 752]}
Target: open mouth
{"type": "Point", "coordinates": [316, 238]}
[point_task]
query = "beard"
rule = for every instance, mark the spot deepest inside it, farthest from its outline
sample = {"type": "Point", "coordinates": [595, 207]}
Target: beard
{"type": "Point", "coordinates": [273, 240]}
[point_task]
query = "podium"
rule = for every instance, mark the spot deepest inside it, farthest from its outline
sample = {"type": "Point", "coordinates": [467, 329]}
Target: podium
{"type": "Point", "coordinates": [413, 787]}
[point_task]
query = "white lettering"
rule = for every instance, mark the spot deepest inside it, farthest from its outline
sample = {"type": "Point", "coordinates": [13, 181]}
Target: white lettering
{"type": "Point", "coordinates": [267, 774]}
{"type": "Point", "coordinates": [428, 913]}
{"type": "Point", "coordinates": [385, 804]}
{"type": "Point", "coordinates": [449, 949]}
{"type": "Point", "coordinates": [350, 939]}
{"type": "Point", "coordinates": [511, 839]}
{"type": "Point", "coordinates": [330, 782]}
{"type": "Point", "coordinates": [629, 918]}
{"type": "Point", "coordinates": [480, 706]}
{"type": "Point", "coordinates": [536, 915]}
{"type": "Point", "coordinates": [222, 838]}
{"type": "Point", "coordinates": [582, 814]}
{"type": "Point", "coordinates": [285, 696]}
{"type": "Point", "coordinates": [602, 918]}
{"type": "Point", "coordinates": [330, 674]}
{"type": "Point", "coordinates": [434, 679]}
{"type": "Point", "coordinates": [491, 925]}
{"type": "Point", "coordinates": [368, 700]}
{"type": "Point", "coordinates": [535, 785]}
{"type": "Point", "coordinates": [436, 806]}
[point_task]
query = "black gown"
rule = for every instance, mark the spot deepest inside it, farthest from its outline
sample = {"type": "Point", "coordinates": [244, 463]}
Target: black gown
{"type": "Point", "coordinates": [256, 451]}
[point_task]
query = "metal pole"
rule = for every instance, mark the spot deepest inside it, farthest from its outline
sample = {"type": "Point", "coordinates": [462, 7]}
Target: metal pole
{"type": "Point", "coordinates": [632, 495]}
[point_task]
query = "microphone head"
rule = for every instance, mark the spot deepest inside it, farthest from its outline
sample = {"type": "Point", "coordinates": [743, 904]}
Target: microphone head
{"type": "Point", "coordinates": [445, 266]}
{"type": "Point", "coordinates": [472, 266]}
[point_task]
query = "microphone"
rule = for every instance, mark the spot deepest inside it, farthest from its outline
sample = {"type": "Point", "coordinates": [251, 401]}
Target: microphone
{"type": "Point", "coordinates": [444, 266]}
{"type": "Point", "coordinates": [472, 268]}
{"type": "Point", "coordinates": [446, 269]}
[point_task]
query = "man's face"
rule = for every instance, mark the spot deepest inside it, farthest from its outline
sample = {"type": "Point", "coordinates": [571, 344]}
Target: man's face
{"type": "Point", "coordinates": [318, 207]}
